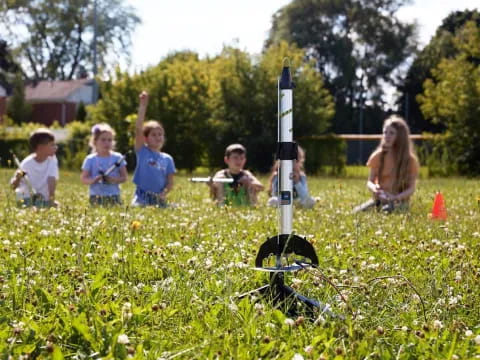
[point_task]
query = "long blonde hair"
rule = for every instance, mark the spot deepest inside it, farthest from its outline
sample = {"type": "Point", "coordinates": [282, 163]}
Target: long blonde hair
{"type": "Point", "coordinates": [403, 152]}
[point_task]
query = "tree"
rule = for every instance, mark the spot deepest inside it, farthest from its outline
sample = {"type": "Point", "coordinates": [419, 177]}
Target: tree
{"type": "Point", "coordinates": [441, 46]}
{"type": "Point", "coordinates": [179, 92]}
{"type": "Point", "coordinates": [206, 104]}
{"type": "Point", "coordinates": [54, 38]}
{"type": "Point", "coordinates": [357, 44]}
{"type": "Point", "coordinates": [7, 66]}
{"type": "Point", "coordinates": [245, 103]}
{"type": "Point", "coordinates": [17, 109]}
{"type": "Point", "coordinates": [452, 98]}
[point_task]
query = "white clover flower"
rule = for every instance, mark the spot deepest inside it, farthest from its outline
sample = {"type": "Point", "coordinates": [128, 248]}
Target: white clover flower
{"type": "Point", "coordinates": [477, 339]}
{"type": "Point", "coordinates": [458, 276]}
{"type": "Point", "coordinates": [123, 339]}
{"type": "Point", "coordinates": [296, 281]}
{"type": "Point", "coordinates": [13, 256]}
{"type": "Point", "coordinates": [308, 349]}
{"type": "Point", "coordinates": [258, 306]}
{"type": "Point", "coordinates": [437, 324]}
{"type": "Point", "coordinates": [297, 357]}
{"type": "Point", "coordinates": [468, 333]}
{"type": "Point", "coordinates": [289, 322]}
{"type": "Point", "coordinates": [453, 300]}
{"type": "Point", "coordinates": [127, 306]}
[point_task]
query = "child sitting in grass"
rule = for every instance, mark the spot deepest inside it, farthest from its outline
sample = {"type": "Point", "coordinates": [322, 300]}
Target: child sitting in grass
{"type": "Point", "coordinates": [104, 188]}
{"type": "Point", "coordinates": [301, 195]}
{"type": "Point", "coordinates": [393, 168]}
{"type": "Point", "coordinates": [36, 179]}
{"type": "Point", "coordinates": [155, 169]}
{"type": "Point", "coordinates": [244, 188]}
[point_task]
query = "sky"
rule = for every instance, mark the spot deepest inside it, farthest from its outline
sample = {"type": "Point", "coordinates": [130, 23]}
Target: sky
{"type": "Point", "coordinates": [205, 26]}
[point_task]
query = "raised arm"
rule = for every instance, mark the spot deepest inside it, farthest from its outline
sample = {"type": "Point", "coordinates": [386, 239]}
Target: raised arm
{"type": "Point", "coordinates": [142, 109]}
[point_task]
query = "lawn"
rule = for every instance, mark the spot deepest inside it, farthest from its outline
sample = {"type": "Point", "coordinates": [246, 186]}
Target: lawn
{"type": "Point", "coordinates": [80, 282]}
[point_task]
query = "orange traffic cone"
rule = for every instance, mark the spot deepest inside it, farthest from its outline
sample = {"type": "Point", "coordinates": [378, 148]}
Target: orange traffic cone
{"type": "Point", "coordinates": [439, 210]}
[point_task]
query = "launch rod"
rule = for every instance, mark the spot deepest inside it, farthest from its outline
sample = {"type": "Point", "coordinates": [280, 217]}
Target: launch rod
{"type": "Point", "coordinates": [211, 179]}
{"type": "Point", "coordinates": [115, 165]}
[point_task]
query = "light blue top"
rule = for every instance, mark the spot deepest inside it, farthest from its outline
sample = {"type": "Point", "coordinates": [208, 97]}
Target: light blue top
{"type": "Point", "coordinates": [152, 170]}
{"type": "Point", "coordinates": [96, 165]}
{"type": "Point", "coordinates": [301, 188]}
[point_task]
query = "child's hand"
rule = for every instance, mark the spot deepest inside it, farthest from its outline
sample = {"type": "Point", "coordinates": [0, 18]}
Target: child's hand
{"type": "Point", "coordinates": [163, 195]}
{"type": "Point", "coordinates": [245, 180]}
{"type": "Point", "coordinates": [210, 182]}
{"type": "Point", "coordinates": [143, 98]}
{"type": "Point", "coordinates": [19, 174]}
{"type": "Point", "coordinates": [296, 176]}
{"type": "Point", "coordinates": [110, 180]}
{"type": "Point", "coordinates": [97, 179]}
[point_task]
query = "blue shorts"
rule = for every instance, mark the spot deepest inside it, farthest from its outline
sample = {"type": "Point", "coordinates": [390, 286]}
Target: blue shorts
{"type": "Point", "coordinates": [36, 201]}
{"type": "Point", "coordinates": [106, 200]}
{"type": "Point", "coordinates": [148, 198]}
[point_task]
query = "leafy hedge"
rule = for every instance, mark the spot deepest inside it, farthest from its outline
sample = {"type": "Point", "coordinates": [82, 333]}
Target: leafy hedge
{"type": "Point", "coordinates": [324, 154]}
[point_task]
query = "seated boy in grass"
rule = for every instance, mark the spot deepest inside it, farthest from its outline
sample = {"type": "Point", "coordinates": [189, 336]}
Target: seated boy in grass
{"type": "Point", "coordinates": [36, 179]}
{"type": "Point", "coordinates": [244, 188]}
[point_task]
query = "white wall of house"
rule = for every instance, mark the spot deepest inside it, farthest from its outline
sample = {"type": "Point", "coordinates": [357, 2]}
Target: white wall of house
{"type": "Point", "coordinates": [83, 94]}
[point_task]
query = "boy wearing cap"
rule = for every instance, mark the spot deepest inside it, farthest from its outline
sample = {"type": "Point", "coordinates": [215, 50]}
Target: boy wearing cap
{"type": "Point", "coordinates": [244, 188]}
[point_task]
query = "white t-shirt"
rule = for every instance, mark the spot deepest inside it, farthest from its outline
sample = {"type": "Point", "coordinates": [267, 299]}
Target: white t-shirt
{"type": "Point", "coordinates": [37, 174]}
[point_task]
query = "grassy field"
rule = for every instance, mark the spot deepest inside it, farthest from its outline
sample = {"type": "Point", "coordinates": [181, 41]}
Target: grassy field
{"type": "Point", "coordinates": [88, 283]}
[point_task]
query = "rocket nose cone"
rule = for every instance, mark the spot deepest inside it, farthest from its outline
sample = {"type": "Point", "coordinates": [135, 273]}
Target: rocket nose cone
{"type": "Point", "coordinates": [286, 79]}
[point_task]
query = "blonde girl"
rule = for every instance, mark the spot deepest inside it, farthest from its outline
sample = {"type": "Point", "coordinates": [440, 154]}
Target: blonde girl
{"type": "Point", "coordinates": [104, 189]}
{"type": "Point", "coordinates": [393, 168]}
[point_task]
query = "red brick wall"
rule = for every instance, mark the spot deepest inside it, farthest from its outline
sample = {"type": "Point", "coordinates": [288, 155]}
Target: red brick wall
{"type": "Point", "coordinates": [3, 108]}
{"type": "Point", "coordinates": [47, 113]}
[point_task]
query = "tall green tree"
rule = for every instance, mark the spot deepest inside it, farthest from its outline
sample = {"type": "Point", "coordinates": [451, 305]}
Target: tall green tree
{"type": "Point", "coordinates": [246, 104]}
{"type": "Point", "coordinates": [441, 46]}
{"type": "Point", "coordinates": [8, 67]}
{"type": "Point", "coordinates": [206, 104]}
{"type": "Point", "coordinates": [452, 98]}
{"type": "Point", "coordinates": [17, 109]}
{"type": "Point", "coordinates": [179, 92]}
{"type": "Point", "coordinates": [54, 38]}
{"type": "Point", "coordinates": [357, 44]}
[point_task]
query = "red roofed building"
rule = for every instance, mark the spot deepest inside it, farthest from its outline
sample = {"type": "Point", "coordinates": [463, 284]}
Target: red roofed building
{"type": "Point", "coordinates": [58, 100]}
